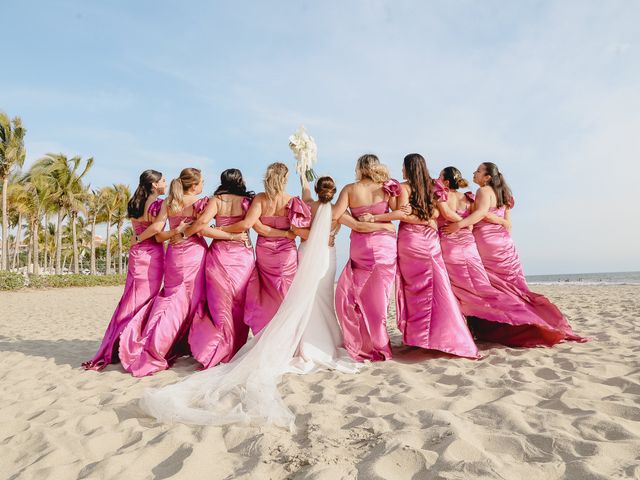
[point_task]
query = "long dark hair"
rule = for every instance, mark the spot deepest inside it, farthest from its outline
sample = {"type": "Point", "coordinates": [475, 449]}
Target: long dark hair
{"type": "Point", "coordinates": [454, 177]}
{"type": "Point", "coordinates": [135, 207]}
{"type": "Point", "coordinates": [231, 182]}
{"type": "Point", "coordinates": [499, 185]}
{"type": "Point", "coordinates": [421, 199]}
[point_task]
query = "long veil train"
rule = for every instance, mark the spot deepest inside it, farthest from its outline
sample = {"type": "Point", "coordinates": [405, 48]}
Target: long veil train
{"type": "Point", "coordinates": [245, 390]}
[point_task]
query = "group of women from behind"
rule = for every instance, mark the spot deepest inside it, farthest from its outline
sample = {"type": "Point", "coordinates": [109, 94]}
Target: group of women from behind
{"type": "Point", "coordinates": [456, 271]}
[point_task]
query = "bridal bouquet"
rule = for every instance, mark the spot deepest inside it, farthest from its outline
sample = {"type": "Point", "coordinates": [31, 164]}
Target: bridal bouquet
{"type": "Point", "coordinates": [305, 150]}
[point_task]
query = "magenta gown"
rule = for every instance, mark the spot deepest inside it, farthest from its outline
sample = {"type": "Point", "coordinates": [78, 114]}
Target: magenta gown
{"type": "Point", "coordinates": [228, 268]}
{"type": "Point", "coordinates": [364, 286]}
{"type": "Point", "coordinates": [144, 279]}
{"type": "Point", "coordinates": [428, 313]}
{"type": "Point", "coordinates": [153, 340]}
{"type": "Point", "coordinates": [498, 316]}
{"type": "Point", "coordinates": [276, 265]}
{"type": "Point", "coordinates": [503, 267]}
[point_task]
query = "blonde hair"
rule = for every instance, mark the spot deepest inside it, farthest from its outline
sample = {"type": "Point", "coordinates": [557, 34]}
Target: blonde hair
{"type": "Point", "coordinates": [369, 166]}
{"type": "Point", "coordinates": [275, 178]}
{"type": "Point", "coordinates": [187, 179]}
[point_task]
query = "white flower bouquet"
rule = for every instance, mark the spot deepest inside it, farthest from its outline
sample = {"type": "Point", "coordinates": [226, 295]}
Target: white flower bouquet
{"type": "Point", "coordinates": [305, 150]}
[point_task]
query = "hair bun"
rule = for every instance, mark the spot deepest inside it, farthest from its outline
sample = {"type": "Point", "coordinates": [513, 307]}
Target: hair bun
{"type": "Point", "coordinates": [326, 189]}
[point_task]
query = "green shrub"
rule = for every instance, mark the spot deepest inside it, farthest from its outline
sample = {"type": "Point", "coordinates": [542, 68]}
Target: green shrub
{"type": "Point", "coordinates": [59, 281]}
{"type": "Point", "coordinates": [11, 281]}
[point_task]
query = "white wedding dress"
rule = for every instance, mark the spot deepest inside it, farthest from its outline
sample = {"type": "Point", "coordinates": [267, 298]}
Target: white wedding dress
{"type": "Point", "coordinates": [302, 337]}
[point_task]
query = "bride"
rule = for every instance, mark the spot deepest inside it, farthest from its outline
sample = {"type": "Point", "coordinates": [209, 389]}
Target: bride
{"type": "Point", "coordinates": [302, 337]}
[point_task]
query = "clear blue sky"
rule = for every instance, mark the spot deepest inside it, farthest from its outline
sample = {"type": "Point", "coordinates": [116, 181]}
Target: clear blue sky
{"type": "Point", "coordinates": [550, 91]}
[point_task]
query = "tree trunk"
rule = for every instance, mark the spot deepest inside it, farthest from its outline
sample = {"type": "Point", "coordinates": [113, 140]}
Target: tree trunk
{"type": "Point", "coordinates": [93, 246]}
{"type": "Point", "coordinates": [29, 255]}
{"type": "Point", "coordinates": [36, 248]}
{"type": "Point", "coordinates": [46, 241]}
{"type": "Point", "coordinates": [16, 249]}
{"type": "Point", "coordinates": [59, 243]}
{"type": "Point", "coordinates": [4, 265]}
{"type": "Point", "coordinates": [120, 224]}
{"type": "Point", "coordinates": [76, 268]}
{"type": "Point", "coordinates": [108, 259]}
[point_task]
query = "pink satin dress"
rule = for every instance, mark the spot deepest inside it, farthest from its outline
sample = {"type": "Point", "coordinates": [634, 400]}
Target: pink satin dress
{"type": "Point", "coordinates": [503, 267]}
{"type": "Point", "coordinates": [228, 267]}
{"type": "Point", "coordinates": [144, 279]}
{"type": "Point", "coordinates": [514, 323]}
{"type": "Point", "coordinates": [428, 312]}
{"type": "Point", "coordinates": [152, 342]}
{"type": "Point", "coordinates": [276, 265]}
{"type": "Point", "coordinates": [364, 286]}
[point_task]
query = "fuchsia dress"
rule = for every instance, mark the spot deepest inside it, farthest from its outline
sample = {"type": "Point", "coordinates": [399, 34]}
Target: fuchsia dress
{"type": "Point", "coordinates": [364, 286]}
{"type": "Point", "coordinates": [228, 268]}
{"type": "Point", "coordinates": [153, 341]}
{"type": "Point", "coordinates": [144, 279]}
{"type": "Point", "coordinates": [498, 316]}
{"type": "Point", "coordinates": [427, 311]}
{"type": "Point", "coordinates": [502, 264]}
{"type": "Point", "coordinates": [276, 265]}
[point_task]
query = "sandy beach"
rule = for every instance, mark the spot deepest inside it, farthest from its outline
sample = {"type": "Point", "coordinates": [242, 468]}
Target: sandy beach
{"type": "Point", "coordinates": [569, 412]}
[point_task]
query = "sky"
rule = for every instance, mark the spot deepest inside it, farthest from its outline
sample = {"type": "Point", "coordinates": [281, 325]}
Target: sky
{"type": "Point", "coordinates": [547, 90]}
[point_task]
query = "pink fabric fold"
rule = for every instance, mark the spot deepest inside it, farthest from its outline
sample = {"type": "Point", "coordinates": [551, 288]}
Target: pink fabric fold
{"type": "Point", "coordinates": [299, 213]}
{"type": "Point", "coordinates": [144, 279]}
{"type": "Point", "coordinates": [504, 270]}
{"type": "Point", "coordinates": [440, 190]}
{"type": "Point", "coordinates": [392, 187]}
{"type": "Point", "coordinates": [427, 310]}
{"type": "Point", "coordinates": [363, 290]}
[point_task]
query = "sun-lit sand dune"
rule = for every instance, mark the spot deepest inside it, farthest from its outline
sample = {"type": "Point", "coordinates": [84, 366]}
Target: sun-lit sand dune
{"type": "Point", "coordinates": [570, 412]}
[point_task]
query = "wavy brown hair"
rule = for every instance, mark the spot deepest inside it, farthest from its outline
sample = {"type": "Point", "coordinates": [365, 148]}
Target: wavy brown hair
{"type": "Point", "coordinates": [421, 198]}
{"type": "Point", "coordinates": [499, 185]}
{"type": "Point", "coordinates": [135, 207]}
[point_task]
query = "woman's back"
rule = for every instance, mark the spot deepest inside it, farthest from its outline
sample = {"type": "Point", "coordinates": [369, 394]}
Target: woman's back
{"type": "Point", "coordinates": [230, 205]}
{"type": "Point", "coordinates": [365, 193]}
{"type": "Point", "coordinates": [276, 207]}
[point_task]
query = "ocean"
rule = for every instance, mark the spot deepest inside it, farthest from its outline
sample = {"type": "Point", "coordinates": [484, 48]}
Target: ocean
{"type": "Point", "coordinates": [607, 278]}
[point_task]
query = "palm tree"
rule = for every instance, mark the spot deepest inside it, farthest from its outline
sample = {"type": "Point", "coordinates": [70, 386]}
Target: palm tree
{"type": "Point", "coordinates": [19, 202]}
{"type": "Point", "coordinates": [12, 154]}
{"type": "Point", "coordinates": [120, 215]}
{"type": "Point", "coordinates": [95, 213]}
{"type": "Point", "coordinates": [68, 191]}
{"type": "Point", "coordinates": [110, 206]}
{"type": "Point", "coordinates": [39, 192]}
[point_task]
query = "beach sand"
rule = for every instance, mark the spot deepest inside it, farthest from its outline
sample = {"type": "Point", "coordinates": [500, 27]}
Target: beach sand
{"type": "Point", "coordinates": [568, 412]}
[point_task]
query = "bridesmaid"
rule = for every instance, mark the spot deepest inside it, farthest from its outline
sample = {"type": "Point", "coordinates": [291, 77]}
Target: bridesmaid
{"type": "Point", "coordinates": [271, 214]}
{"type": "Point", "coordinates": [362, 293]}
{"type": "Point", "coordinates": [228, 267]}
{"type": "Point", "coordinates": [144, 273]}
{"type": "Point", "coordinates": [499, 256]}
{"type": "Point", "coordinates": [427, 310]}
{"type": "Point", "coordinates": [153, 340]}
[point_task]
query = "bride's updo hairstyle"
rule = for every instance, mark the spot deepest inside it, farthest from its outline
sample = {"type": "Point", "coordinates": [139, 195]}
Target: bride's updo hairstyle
{"type": "Point", "coordinates": [275, 179]}
{"type": "Point", "coordinates": [187, 179]}
{"type": "Point", "coordinates": [135, 207]}
{"type": "Point", "coordinates": [421, 199]}
{"type": "Point", "coordinates": [498, 184]}
{"type": "Point", "coordinates": [326, 189]}
{"type": "Point", "coordinates": [369, 166]}
{"type": "Point", "coordinates": [454, 177]}
{"type": "Point", "coordinates": [232, 182]}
